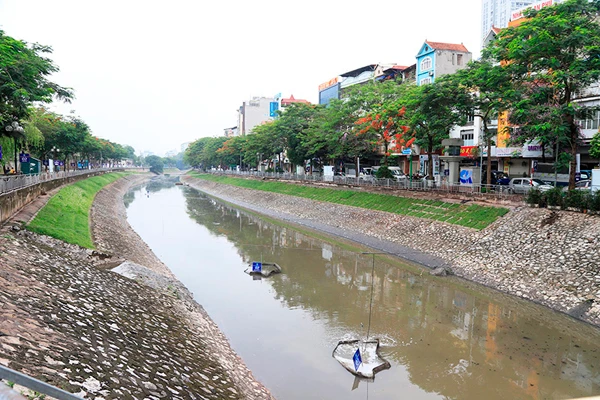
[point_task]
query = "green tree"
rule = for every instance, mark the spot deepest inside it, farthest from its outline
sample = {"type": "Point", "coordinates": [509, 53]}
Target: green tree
{"type": "Point", "coordinates": [595, 146]}
{"type": "Point", "coordinates": [551, 57]}
{"type": "Point", "coordinates": [431, 111]}
{"type": "Point", "coordinates": [24, 73]}
{"type": "Point", "coordinates": [486, 90]}
{"type": "Point", "coordinates": [155, 163]}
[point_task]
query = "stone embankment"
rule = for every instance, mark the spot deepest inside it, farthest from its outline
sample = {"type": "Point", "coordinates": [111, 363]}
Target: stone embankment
{"type": "Point", "coordinates": [550, 257]}
{"type": "Point", "coordinates": [67, 319]}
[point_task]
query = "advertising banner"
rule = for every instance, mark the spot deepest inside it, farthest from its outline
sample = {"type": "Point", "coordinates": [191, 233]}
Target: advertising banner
{"type": "Point", "coordinates": [503, 134]}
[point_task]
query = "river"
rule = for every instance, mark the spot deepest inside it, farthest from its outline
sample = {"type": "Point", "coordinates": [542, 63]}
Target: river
{"type": "Point", "coordinates": [444, 337]}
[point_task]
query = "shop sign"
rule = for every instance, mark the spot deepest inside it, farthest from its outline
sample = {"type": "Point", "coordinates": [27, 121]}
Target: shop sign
{"type": "Point", "coordinates": [468, 151]}
{"type": "Point", "coordinates": [509, 151]}
{"type": "Point", "coordinates": [535, 150]}
{"type": "Point", "coordinates": [329, 83]}
{"type": "Point", "coordinates": [537, 6]}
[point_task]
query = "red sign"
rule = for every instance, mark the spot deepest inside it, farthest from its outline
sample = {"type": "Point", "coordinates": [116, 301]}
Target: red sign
{"type": "Point", "coordinates": [468, 151]}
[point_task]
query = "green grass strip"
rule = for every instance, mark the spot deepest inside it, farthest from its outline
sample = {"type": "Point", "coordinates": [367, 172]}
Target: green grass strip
{"type": "Point", "coordinates": [472, 216]}
{"type": "Point", "coordinates": [67, 215]}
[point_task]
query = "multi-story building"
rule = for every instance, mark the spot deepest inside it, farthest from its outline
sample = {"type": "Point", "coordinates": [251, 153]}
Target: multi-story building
{"type": "Point", "coordinates": [335, 87]}
{"type": "Point", "coordinates": [497, 13]}
{"type": "Point", "coordinates": [254, 112]}
{"type": "Point", "coordinates": [436, 59]}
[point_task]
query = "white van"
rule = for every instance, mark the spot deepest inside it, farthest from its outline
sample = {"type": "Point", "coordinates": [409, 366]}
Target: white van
{"type": "Point", "coordinates": [398, 174]}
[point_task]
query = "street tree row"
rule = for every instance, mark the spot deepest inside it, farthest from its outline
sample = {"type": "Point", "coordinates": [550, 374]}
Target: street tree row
{"type": "Point", "coordinates": [25, 70]}
{"type": "Point", "coordinates": [533, 73]}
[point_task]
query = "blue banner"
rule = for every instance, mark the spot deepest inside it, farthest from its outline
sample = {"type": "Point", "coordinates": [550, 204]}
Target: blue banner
{"type": "Point", "coordinates": [357, 359]}
{"type": "Point", "coordinates": [0, 152]}
{"type": "Point", "coordinates": [256, 267]}
{"type": "Point", "coordinates": [24, 157]}
{"type": "Point", "coordinates": [273, 107]}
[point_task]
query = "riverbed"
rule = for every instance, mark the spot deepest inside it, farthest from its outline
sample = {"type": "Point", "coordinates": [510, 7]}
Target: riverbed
{"type": "Point", "coordinates": [444, 337]}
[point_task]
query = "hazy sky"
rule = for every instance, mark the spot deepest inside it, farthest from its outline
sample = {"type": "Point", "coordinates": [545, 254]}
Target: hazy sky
{"type": "Point", "coordinates": [155, 74]}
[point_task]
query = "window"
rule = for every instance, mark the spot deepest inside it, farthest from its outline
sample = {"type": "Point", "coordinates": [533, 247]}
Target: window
{"type": "Point", "coordinates": [592, 122]}
{"type": "Point", "coordinates": [426, 64]}
{"type": "Point", "coordinates": [459, 59]}
{"type": "Point", "coordinates": [468, 137]}
{"type": "Point", "coordinates": [425, 81]}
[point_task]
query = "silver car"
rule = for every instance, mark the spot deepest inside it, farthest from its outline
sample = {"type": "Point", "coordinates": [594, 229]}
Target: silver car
{"type": "Point", "coordinates": [523, 185]}
{"type": "Point", "coordinates": [585, 184]}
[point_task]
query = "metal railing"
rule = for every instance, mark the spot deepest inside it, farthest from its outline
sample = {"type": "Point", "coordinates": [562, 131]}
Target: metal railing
{"type": "Point", "coordinates": [474, 190]}
{"type": "Point", "coordinates": [9, 183]}
{"type": "Point", "coordinates": [34, 385]}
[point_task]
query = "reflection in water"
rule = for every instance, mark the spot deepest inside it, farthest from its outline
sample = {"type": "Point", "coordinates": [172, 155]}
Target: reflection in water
{"type": "Point", "coordinates": [444, 338]}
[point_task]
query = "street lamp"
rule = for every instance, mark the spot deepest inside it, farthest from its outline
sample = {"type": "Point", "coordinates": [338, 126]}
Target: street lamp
{"type": "Point", "coordinates": [54, 150]}
{"type": "Point", "coordinates": [17, 128]}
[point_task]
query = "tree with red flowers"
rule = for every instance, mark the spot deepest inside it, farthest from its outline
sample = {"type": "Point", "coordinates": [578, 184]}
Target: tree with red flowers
{"type": "Point", "coordinates": [385, 125]}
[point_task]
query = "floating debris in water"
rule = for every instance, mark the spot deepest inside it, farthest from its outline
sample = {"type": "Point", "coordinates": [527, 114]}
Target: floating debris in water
{"type": "Point", "coordinates": [368, 362]}
{"type": "Point", "coordinates": [263, 269]}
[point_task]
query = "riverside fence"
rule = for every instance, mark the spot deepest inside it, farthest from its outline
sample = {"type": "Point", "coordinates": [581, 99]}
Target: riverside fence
{"type": "Point", "coordinates": [498, 192]}
{"type": "Point", "coordinates": [8, 183]}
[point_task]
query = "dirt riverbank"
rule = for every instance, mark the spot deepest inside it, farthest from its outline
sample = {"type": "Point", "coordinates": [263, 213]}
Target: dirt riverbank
{"type": "Point", "coordinates": [545, 256]}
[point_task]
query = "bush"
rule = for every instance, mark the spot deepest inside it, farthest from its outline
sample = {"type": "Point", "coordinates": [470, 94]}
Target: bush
{"type": "Point", "coordinates": [534, 196]}
{"type": "Point", "coordinates": [554, 197]}
{"type": "Point", "coordinates": [576, 199]}
{"type": "Point", "coordinates": [384, 172]}
{"type": "Point", "coordinates": [594, 201]}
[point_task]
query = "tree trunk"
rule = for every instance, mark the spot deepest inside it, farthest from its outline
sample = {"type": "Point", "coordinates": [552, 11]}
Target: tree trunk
{"type": "Point", "coordinates": [573, 162]}
{"type": "Point", "coordinates": [356, 167]}
{"type": "Point", "coordinates": [488, 176]}
{"type": "Point", "coordinates": [430, 160]}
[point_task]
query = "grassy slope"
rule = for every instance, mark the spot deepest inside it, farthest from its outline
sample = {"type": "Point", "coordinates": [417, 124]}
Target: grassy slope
{"type": "Point", "coordinates": [472, 216]}
{"type": "Point", "coordinates": [66, 216]}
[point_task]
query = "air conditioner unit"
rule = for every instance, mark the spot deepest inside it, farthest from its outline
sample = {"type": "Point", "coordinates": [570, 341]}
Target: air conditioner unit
{"type": "Point", "coordinates": [430, 73]}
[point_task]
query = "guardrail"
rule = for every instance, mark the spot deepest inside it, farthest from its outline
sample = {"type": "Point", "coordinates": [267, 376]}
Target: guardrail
{"type": "Point", "coordinates": [9, 183]}
{"type": "Point", "coordinates": [484, 191]}
{"type": "Point", "coordinates": [32, 384]}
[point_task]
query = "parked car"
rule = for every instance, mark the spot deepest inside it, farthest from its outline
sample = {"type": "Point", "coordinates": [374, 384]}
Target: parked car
{"type": "Point", "coordinates": [585, 184]}
{"type": "Point", "coordinates": [498, 178]}
{"type": "Point", "coordinates": [523, 185]}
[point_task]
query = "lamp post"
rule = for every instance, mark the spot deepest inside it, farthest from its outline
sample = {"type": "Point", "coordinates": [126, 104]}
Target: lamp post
{"type": "Point", "coordinates": [54, 151]}
{"type": "Point", "coordinates": [17, 129]}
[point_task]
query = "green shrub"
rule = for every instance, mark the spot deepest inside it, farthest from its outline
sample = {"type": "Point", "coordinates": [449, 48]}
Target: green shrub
{"type": "Point", "coordinates": [578, 199]}
{"type": "Point", "coordinates": [384, 172]}
{"type": "Point", "coordinates": [554, 197]}
{"type": "Point", "coordinates": [534, 196]}
{"type": "Point", "coordinates": [594, 201]}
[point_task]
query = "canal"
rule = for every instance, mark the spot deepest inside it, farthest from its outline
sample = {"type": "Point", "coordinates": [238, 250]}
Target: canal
{"type": "Point", "coordinates": [445, 338]}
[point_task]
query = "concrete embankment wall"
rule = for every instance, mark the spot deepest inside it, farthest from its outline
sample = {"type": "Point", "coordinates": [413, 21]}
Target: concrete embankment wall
{"type": "Point", "coordinates": [12, 202]}
{"type": "Point", "coordinates": [550, 257]}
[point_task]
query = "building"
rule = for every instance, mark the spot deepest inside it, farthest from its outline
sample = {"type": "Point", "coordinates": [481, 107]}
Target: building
{"type": "Point", "coordinates": [436, 59]}
{"type": "Point", "coordinates": [335, 87]}
{"type": "Point", "coordinates": [254, 112]}
{"type": "Point", "coordinates": [497, 13]}
{"type": "Point", "coordinates": [231, 132]}
{"type": "Point", "coordinates": [292, 100]}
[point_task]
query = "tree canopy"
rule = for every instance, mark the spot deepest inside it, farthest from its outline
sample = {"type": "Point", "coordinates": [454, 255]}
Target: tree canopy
{"type": "Point", "coordinates": [550, 58]}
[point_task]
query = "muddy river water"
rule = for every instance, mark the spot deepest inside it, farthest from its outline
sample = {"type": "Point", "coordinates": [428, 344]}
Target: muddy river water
{"type": "Point", "coordinates": [445, 338]}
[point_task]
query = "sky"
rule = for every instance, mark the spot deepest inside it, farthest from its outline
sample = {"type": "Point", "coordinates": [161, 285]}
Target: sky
{"type": "Point", "coordinates": [155, 74]}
